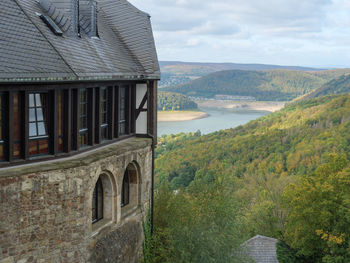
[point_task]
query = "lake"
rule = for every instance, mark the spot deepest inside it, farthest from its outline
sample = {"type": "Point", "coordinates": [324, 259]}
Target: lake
{"type": "Point", "coordinates": [219, 119]}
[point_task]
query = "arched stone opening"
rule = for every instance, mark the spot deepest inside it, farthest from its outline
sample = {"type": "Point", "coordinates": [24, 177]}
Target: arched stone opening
{"type": "Point", "coordinates": [103, 201]}
{"type": "Point", "coordinates": [130, 188]}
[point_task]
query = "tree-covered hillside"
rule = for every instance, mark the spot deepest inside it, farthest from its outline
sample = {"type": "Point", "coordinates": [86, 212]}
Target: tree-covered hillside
{"type": "Point", "coordinates": [174, 101]}
{"type": "Point", "coordinates": [335, 86]}
{"type": "Point", "coordinates": [282, 85]}
{"type": "Point", "coordinates": [288, 174]}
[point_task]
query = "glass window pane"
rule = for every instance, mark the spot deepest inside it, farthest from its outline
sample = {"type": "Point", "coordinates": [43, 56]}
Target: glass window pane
{"type": "Point", "coordinates": [31, 100]}
{"type": "Point", "coordinates": [32, 114]}
{"type": "Point", "coordinates": [41, 128]}
{"type": "Point", "coordinates": [32, 129]}
{"type": "Point", "coordinates": [122, 128]}
{"type": "Point", "coordinates": [37, 100]}
{"type": "Point", "coordinates": [39, 113]}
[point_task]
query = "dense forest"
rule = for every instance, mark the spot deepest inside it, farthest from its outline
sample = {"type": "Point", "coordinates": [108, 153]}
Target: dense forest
{"type": "Point", "coordinates": [278, 85]}
{"type": "Point", "coordinates": [174, 101]}
{"type": "Point", "coordinates": [285, 175]}
{"type": "Point", "coordinates": [338, 85]}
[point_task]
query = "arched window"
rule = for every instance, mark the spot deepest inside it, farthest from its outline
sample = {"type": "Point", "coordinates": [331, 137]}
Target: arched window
{"type": "Point", "coordinates": [97, 202]}
{"type": "Point", "coordinates": [126, 189]}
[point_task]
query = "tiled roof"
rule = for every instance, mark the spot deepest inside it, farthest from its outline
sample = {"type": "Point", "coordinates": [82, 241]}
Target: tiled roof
{"type": "Point", "coordinates": [124, 50]}
{"type": "Point", "coordinates": [262, 249]}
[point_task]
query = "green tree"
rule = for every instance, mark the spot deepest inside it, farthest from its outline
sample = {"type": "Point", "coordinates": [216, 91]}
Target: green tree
{"type": "Point", "coordinates": [318, 224]}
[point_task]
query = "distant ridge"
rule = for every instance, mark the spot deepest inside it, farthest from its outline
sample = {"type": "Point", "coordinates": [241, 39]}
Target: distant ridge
{"type": "Point", "coordinates": [276, 85]}
{"type": "Point", "coordinates": [180, 67]}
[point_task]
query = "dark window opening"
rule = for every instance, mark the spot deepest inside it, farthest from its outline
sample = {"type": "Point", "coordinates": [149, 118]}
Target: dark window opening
{"type": "Point", "coordinates": [83, 118]}
{"type": "Point", "coordinates": [126, 189]}
{"type": "Point", "coordinates": [16, 126]}
{"type": "Point", "coordinates": [38, 118]}
{"type": "Point", "coordinates": [2, 110]}
{"type": "Point", "coordinates": [97, 202]}
{"type": "Point", "coordinates": [122, 110]}
{"type": "Point", "coordinates": [60, 122]}
{"type": "Point", "coordinates": [104, 114]}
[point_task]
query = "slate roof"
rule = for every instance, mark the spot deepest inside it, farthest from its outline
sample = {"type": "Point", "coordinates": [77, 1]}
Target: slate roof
{"type": "Point", "coordinates": [262, 249]}
{"type": "Point", "coordinates": [29, 50]}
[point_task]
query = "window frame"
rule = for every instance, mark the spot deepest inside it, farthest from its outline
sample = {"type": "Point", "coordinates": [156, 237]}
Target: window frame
{"type": "Point", "coordinates": [2, 126]}
{"type": "Point", "coordinates": [16, 139]}
{"type": "Point", "coordinates": [44, 111]}
{"type": "Point", "coordinates": [104, 113]}
{"type": "Point", "coordinates": [85, 130]}
{"type": "Point", "coordinates": [97, 200]}
{"type": "Point", "coordinates": [125, 196]}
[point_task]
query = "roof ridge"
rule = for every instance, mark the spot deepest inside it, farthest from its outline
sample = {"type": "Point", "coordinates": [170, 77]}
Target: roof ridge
{"type": "Point", "coordinates": [48, 41]}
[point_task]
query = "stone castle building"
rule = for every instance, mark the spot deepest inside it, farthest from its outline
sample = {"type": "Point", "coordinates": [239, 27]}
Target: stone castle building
{"type": "Point", "coordinates": [78, 86]}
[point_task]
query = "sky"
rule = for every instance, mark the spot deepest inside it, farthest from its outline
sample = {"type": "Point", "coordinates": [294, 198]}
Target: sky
{"type": "Point", "coordinates": [285, 32]}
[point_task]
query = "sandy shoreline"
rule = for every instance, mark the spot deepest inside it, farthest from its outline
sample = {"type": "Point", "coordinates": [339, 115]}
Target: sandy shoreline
{"type": "Point", "coordinates": [270, 106]}
{"type": "Point", "coordinates": [164, 116]}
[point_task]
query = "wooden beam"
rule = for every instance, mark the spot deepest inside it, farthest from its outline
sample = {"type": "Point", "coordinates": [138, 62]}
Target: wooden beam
{"type": "Point", "coordinates": [142, 104]}
{"type": "Point", "coordinates": [128, 110]}
{"type": "Point", "coordinates": [133, 108]}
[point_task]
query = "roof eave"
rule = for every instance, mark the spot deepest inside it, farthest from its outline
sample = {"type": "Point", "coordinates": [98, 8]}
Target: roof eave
{"type": "Point", "coordinates": [155, 76]}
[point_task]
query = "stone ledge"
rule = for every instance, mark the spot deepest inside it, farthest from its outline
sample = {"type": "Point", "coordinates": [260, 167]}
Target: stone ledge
{"type": "Point", "coordinates": [82, 159]}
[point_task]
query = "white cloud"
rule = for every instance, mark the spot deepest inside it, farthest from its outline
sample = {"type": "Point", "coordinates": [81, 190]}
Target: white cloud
{"type": "Point", "coordinates": [301, 32]}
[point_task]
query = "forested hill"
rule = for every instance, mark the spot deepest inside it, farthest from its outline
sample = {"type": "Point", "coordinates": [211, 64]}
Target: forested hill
{"type": "Point", "coordinates": [282, 85]}
{"type": "Point", "coordinates": [289, 171]}
{"type": "Point", "coordinates": [201, 68]}
{"type": "Point", "coordinates": [174, 101]}
{"type": "Point", "coordinates": [336, 86]}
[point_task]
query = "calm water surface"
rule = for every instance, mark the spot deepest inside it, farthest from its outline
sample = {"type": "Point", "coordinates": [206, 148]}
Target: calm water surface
{"type": "Point", "coordinates": [219, 119]}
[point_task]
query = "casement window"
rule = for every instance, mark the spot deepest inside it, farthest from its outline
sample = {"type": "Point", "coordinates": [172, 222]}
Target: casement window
{"type": "Point", "coordinates": [122, 110]}
{"type": "Point", "coordinates": [83, 118]}
{"type": "Point", "coordinates": [60, 121]}
{"type": "Point", "coordinates": [2, 122]}
{"type": "Point", "coordinates": [104, 113]}
{"type": "Point", "coordinates": [126, 189]}
{"type": "Point", "coordinates": [38, 124]}
{"type": "Point", "coordinates": [17, 120]}
{"type": "Point", "coordinates": [97, 202]}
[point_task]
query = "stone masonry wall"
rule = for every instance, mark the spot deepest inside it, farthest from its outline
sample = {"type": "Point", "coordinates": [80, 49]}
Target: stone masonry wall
{"type": "Point", "coordinates": [45, 208]}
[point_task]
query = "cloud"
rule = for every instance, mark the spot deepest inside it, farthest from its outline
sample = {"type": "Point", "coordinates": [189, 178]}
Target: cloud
{"type": "Point", "coordinates": [250, 30]}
